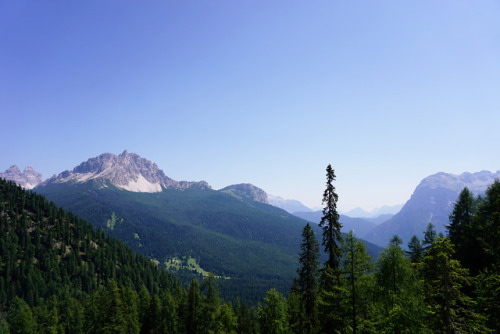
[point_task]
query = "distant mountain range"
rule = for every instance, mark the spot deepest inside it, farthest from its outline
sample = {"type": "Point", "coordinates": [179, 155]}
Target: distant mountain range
{"type": "Point", "coordinates": [85, 185]}
{"type": "Point", "coordinates": [28, 179]}
{"type": "Point", "coordinates": [377, 212]}
{"type": "Point", "coordinates": [288, 205]}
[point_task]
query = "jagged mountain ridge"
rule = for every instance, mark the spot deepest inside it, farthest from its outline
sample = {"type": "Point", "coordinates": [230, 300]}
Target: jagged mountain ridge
{"type": "Point", "coordinates": [431, 202]}
{"type": "Point", "coordinates": [28, 179]}
{"type": "Point", "coordinates": [127, 171]}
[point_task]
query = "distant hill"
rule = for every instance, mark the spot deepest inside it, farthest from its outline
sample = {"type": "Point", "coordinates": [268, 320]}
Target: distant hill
{"type": "Point", "coordinates": [379, 219]}
{"type": "Point", "coordinates": [289, 205]}
{"type": "Point", "coordinates": [431, 202]}
{"type": "Point", "coordinates": [359, 226]}
{"type": "Point", "coordinates": [375, 213]}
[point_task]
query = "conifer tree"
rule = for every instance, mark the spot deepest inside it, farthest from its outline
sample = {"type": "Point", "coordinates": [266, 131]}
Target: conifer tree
{"type": "Point", "coordinates": [356, 263]}
{"type": "Point", "coordinates": [463, 233]}
{"type": "Point", "coordinates": [307, 282]}
{"type": "Point", "coordinates": [451, 310]}
{"type": "Point", "coordinates": [272, 316]}
{"type": "Point", "coordinates": [415, 250]}
{"type": "Point", "coordinates": [20, 317]}
{"type": "Point", "coordinates": [430, 235]}
{"type": "Point", "coordinates": [490, 225]}
{"type": "Point", "coordinates": [332, 238]}
{"type": "Point", "coordinates": [400, 307]}
{"type": "Point", "coordinates": [332, 304]}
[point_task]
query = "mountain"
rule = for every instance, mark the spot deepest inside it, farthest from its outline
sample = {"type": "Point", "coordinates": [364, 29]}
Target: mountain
{"type": "Point", "coordinates": [247, 191]}
{"type": "Point", "coordinates": [431, 202]}
{"type": "Point", "coordinates": [289, 205]}
{"type": "Point", "coordinates": [28, 179]}
{"type": "Point", "coordinates": [127, 171]}
{"type": "Point", "coordinates": [384, 210]}
{"type": "Point", "coordinates": [227, 233]}
{"type": "Point", "coordinates": [359, 226]}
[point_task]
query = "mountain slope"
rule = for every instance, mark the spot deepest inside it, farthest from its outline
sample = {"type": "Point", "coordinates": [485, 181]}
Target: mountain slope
{"type": "Point", "coordinates": [253, 243]}
{"type": "Point", "coordinates": [45, 250]}
{"type": "Point", "coordinates": [431, 202]}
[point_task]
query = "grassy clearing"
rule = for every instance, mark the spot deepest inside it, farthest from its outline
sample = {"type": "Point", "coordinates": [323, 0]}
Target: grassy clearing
{"type": "Point", "coordinates": [188, 263]}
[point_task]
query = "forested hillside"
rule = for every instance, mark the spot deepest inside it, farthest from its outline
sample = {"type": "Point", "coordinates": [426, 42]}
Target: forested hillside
{"type": "Point", "coordinates": [253, 244]}
{"type": "Point", "coordinates": [59, 275]}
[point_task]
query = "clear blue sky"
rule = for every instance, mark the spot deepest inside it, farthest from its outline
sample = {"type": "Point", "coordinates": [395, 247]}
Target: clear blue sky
{"type": "Point", "coordinates": [261, 92]}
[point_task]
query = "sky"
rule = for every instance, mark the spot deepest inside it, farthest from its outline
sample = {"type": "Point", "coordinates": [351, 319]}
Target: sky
{"type": "Point", "coordinates": [261, 92]}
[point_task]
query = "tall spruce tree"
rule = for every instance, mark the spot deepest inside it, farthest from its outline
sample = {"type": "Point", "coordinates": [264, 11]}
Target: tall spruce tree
{"type": "Point", "coordinates": [464, 234]}
{"type": "Point", "coordinates": [332, 238]}
{"type": "Point", "coordinates": [307, 282]}
{"type": "Point", "coordinates": [332, 294]}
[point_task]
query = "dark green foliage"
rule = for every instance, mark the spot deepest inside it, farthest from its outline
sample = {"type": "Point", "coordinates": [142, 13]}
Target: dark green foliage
{"type": "Point", "coordinates": [451, 310]}
{"type": "Point", "coordinates": [46, 251]}
{"type": "Point", "coordinates": [357, 264]}
{"type": "Point", "coordinates": [463, 232]}
{"type": "Point", "coordinates": [398, 294]}
{"type": "Point", "coordinates": [488, 298]}
{"type": "Point", "coordinates": [489, 221]}
{"type": "Point", "coordinates": [20, 317]}
{"type": "Point", "coordinates": [415, 250]}
{"type": "Point", "coordinates": [430, 235]}
{"type": "Point", "coordinates": [273, 316]}
{"type": "Point", "coordinates": [307, 284]}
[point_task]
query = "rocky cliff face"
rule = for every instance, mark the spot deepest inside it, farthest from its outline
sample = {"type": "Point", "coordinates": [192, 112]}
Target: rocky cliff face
{"type": "Point", "coordinates": [127, 171]}
{"type": "Point", "coordinates": [28, 179]}
{"type": "Point", "coordinates": [247, 190]}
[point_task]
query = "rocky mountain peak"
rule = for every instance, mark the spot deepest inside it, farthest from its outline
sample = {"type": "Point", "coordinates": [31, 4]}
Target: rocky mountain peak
{"type": "Point", "coordinates": [28, 179]}
{"type": "Point", "coordinates": [247, 190]}
{"type": "Point", "coordinates": [127, 171]}
{"type": "Point", "coordinates": [475, 182]}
